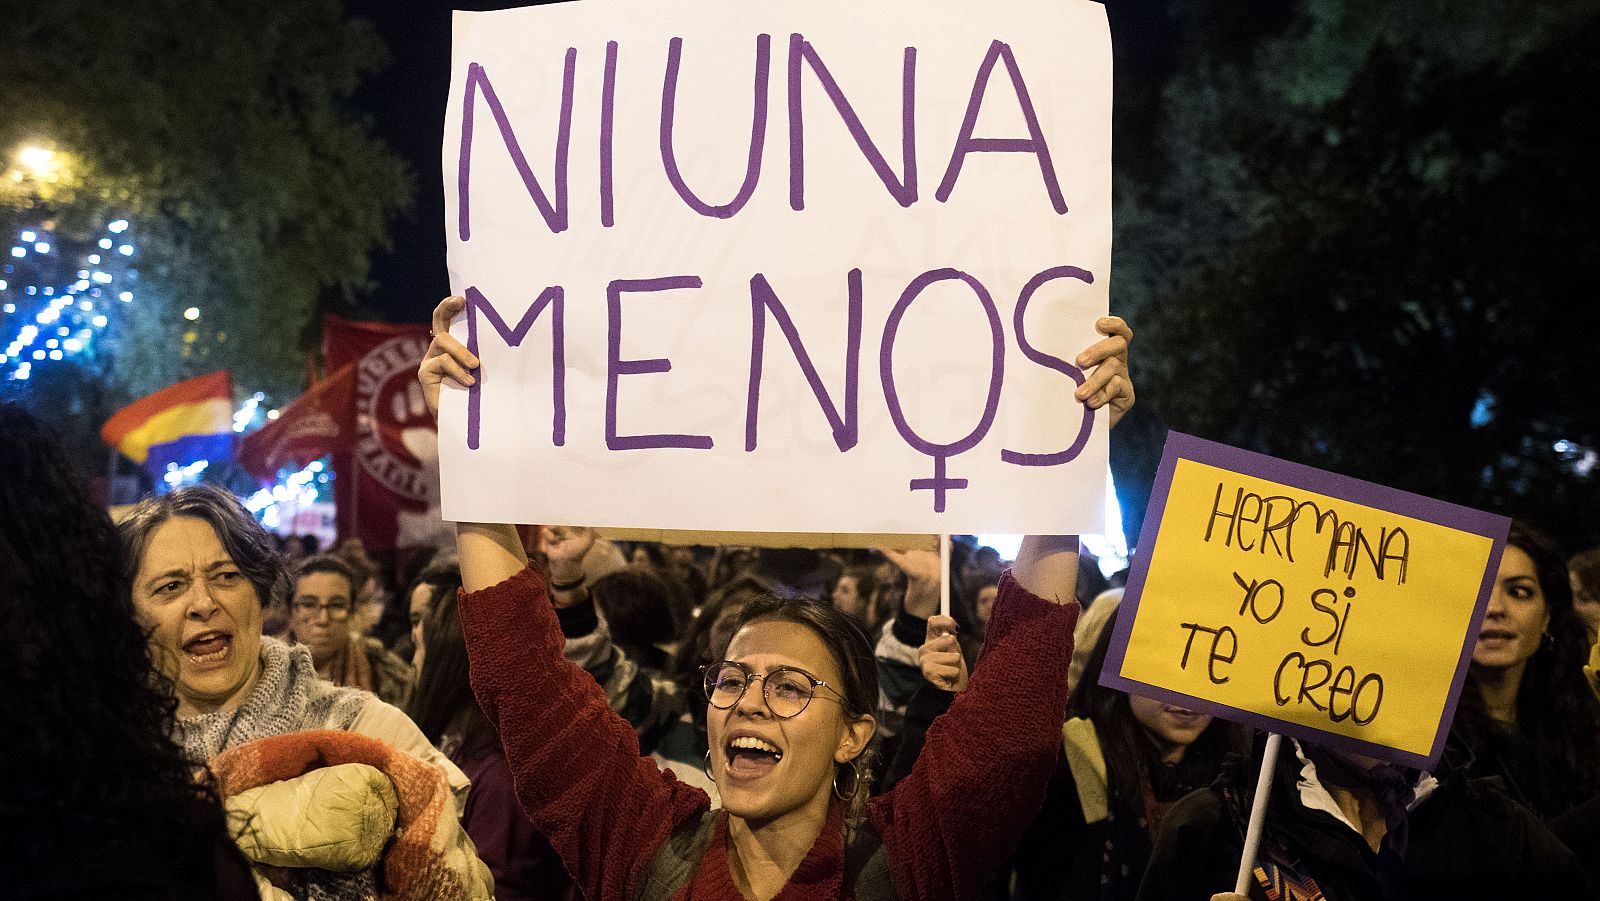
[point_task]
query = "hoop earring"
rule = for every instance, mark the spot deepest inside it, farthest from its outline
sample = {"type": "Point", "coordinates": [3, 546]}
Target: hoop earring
{"type": "Point", "coordinates": [855, 783]}
{"type": "Point", "coordinates": [707, 768]}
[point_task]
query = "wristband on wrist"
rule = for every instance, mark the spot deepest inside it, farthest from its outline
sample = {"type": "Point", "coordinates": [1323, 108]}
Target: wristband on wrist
{"type": "Point", "coordinates": [578, 620]}
{"type": "Point", "coordinates": [574, 585]}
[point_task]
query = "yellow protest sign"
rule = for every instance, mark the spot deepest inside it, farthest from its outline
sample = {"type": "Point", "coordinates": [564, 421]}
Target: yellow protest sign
{"type": "Point", "coordinates": [1303, 602]}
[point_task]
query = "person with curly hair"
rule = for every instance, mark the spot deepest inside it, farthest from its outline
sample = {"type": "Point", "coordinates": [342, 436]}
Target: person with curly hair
{"type": "Point", "coordinates": [98, 800]}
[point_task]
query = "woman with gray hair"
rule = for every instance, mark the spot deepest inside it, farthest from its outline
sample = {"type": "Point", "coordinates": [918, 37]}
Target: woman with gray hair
{"type": "Point", "coordinates": [282, 741]}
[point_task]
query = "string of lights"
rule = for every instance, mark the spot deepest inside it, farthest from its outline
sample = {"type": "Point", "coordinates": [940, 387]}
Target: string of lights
{"type": "Point", "coordinates": [275, 505]}
{"type": "Point", "coordinates": [59, 296]}
{"type": "Point", "coordinates": [55, 301]}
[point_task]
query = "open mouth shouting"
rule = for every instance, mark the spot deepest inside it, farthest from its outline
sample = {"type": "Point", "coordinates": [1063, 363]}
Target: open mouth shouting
{"type": "Point", "coordinates": [751, 756]}
{"type": "Point", "coordinates": [208, 650]}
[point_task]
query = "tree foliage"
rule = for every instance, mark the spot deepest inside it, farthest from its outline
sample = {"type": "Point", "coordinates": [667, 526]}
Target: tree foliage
{"type": "Point", "coordinates": [1368, 247]}
{"type": "Point", "coordinates": [221, 130]}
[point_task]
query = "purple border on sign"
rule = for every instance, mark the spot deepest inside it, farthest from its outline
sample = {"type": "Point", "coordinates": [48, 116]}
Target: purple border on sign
{"type": "Point", "coordinates": [1187, 447]}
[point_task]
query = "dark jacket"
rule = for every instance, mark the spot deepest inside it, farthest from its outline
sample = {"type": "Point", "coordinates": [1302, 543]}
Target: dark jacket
{"type": "Point", "coordinates": [1467, 840]}
{"type": "Point", "coordinates": [1063, 855]}
{"type": "Point", "coordinates": [525, 867]}
{"type": "Point", "coordinates": [1066, 854]}
{"type": "Point", "coordinates": [1579, 829]}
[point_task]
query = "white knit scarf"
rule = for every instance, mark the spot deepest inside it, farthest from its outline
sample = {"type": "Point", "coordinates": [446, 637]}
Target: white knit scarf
{"type": "Point", "coordinates": [287, 698]}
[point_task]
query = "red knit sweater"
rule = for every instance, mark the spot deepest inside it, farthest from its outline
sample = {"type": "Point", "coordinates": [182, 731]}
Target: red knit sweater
{"type": "Point", "coordinates": [579, 776]}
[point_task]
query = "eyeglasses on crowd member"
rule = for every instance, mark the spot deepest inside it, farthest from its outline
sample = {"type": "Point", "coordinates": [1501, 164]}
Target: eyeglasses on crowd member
{"type": "Point", "coordinates": [322, 612]}
{"type": "Point", "coordinates": [792, 820]}
{"type": "Point", "coordinates": [314, 764]}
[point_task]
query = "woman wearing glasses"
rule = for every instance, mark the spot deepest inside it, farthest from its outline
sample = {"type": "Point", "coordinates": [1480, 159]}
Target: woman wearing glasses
{"type": "Point", "coordinates": [320, 612]}
{"type": "Point", "coordinates": [788, 720]}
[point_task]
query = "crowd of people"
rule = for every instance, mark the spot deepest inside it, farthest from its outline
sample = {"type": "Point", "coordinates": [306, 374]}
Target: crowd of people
{"type": "Point", "coordinates": [195, 711]}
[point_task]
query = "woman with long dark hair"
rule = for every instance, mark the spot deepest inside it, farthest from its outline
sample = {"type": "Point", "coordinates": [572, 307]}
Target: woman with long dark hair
{"type": "Point", "coordinates": [1527, 714]}
{"type": "Point", "coordinates": [524, 865]}
{"type": "Point", "coordinates": [1344, 826]}
{"type": "Point", "coordinates": [98, 801]}
{"type": "Point", "coordinates": [789, 716]}
{"type": "Point", "coordinates": [1126, 760]}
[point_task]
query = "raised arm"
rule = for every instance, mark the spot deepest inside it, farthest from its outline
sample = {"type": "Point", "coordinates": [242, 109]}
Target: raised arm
{"type": "Point", "coordinates": [981, 774]}
{"type": "Point", "coordinates": [1047, 565]}
{"type": "Point", "coordinates": [899, 673]}
{"type": "Point", "coordinates": [984, 766]}
{"type": "Point", "coordinates": [575, 763]}
{"type": "Point", "coordinates": [490, 552]}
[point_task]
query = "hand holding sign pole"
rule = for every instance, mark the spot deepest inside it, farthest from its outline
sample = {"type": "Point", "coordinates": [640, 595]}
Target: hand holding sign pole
{"type": "Point", "coordinates": [1258, 813]}
{"type": "Point", "coordinates": [1292, 600]}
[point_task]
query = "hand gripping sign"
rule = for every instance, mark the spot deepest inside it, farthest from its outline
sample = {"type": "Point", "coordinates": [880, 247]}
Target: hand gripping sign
{"type": "Point", "coordinates": [813, 267]}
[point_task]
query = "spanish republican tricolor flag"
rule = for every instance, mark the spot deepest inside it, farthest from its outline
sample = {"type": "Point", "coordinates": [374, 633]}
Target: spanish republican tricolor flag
{"type": "Point", "coordinates": [182, 423]}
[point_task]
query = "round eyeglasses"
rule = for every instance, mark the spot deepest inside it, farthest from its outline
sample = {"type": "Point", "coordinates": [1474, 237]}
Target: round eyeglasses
{"type": "Point", "coordinates": [786, 689]}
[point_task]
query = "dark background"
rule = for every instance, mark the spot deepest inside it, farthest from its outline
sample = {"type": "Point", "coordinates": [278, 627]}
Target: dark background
{"type": "Point", "coordinates": [406, 104]}
{"type": "Point", "coordinates": [1349, 236]}
{"type": "Point", "coordinates": [1358, 235]}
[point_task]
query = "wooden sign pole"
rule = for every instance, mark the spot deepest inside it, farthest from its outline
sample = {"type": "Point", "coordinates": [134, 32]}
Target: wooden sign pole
{"type": "Point", "coordinates": [944, 574]}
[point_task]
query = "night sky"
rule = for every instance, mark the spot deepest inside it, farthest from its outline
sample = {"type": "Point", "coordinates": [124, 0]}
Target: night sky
{"type": "Point", "coordinates": [406, 103]}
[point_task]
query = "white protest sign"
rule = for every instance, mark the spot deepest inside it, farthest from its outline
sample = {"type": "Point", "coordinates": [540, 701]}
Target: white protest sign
{"type": "Point", "coordinates": [807, 267]}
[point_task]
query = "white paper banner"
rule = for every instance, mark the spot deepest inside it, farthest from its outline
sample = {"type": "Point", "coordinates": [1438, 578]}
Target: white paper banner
{"type": "Point", "coordinates": [811, 267]}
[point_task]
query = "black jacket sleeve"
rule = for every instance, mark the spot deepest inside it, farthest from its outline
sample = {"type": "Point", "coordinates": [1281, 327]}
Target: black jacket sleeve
{"type": "Point", "coordinates": [1196, 853]}
{"type": "Point", "coordinates": [1050, 853]}
{"type": "Point", "coordinates": [926, 704]}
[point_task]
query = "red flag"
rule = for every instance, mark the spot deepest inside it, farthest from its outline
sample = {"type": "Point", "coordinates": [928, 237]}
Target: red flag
{"type": "Point", "coordinates": [347, 341]}
{"type": "Point", "coordinates": [315, 424]}
{"type": "Point", "coordinates": [387, 485]}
